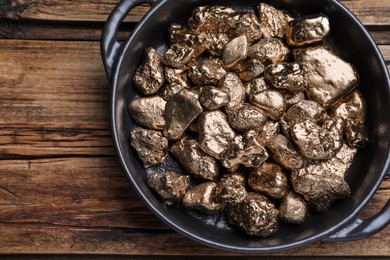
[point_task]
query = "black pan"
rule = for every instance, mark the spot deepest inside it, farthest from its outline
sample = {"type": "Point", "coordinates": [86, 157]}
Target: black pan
{"type": "Point", "coordinates": [349, 39]}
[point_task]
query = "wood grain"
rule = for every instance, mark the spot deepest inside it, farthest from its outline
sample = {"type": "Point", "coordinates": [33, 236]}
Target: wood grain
{"type": "Point", "coordinates": [61, 186]}
{"type": "Point", "coordinates": [370, 12]}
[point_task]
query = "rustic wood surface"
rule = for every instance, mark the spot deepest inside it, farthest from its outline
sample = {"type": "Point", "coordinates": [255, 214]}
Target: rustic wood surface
{"type": "Point", "coordinates": [62, 190]}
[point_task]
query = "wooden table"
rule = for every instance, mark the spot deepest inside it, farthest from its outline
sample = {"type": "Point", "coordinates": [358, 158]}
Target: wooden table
{"type": "Point", "coordinates": [62, 190]}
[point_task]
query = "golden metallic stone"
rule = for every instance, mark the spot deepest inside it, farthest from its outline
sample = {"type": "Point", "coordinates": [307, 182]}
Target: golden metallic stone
{"type": "Point", "coordinates": [269, 51]}
{"type": "Point", "coordinates": [319, 188]}
{"type": "Point", "coordinates": [205, 72]}
{"type": "Point", "coordinates": [273, 21]}
{"type": "Point", "coordinates": [268, 179]}
{"type": "Point", "coordinates": [213, 98]}
{"type": "Point", "coordinates": [211, 18]}
{"type": "Point", "coordinates": [179, 34]}
{"type": "Point", "coordinates": [176, 80]}
{"type": "Point", "coordinates": [180, 111]}
{"type": "Point", "coordinates": [234, 51]}
{"type": "Point", "coordinates": [270, 129]}
{"type": "Point", "coordinates": [305, 109]}
{"type": "Point", "coordinates": [285, 153]}
{"type": "Point", "coordinates": [313, 141]}
{"type": "Point", "coordinates": [202, 197]}
{"type": "Point", "coordinates": [307, 30]}
{"type": "Point", "coordinates": [255, 86]}
{"type": "Point", "coordinates": [244, 150]}
{"type": "Point", "coordinates": [194, 160]}
{"type": "Point", "coordinates": [293, 208]}
{"type": "Point", "coordinates": [355, 134]}
{"type": "Point", "coordinates": [179, 55]}
{"type": "Point", "coordinates": [246, 117]}
{"type": "Point", "coordinates": [149, 77]}
{"type": "Point", "coordinates": [170, 186]}
{"type": "Point", "coordinates": [231, 188]}
{"type": "Point", "coordinates": [150, 146]}
{"type": "Point", "coordinates": [290, 76]}
{"type": "Point", "coordinates": [217, 40]}
{"type": "Point", "coordinates": [335, 128]}
{"type": "Point", "coordinates": [256, 215]}
{"type": "Point", "coordinates": [292, 98]}
{"type": "Point", "coordinates": [271, 102]}
{"type": "Point", "coordinates": [329, 77]}
{"type": "Point", "coordinates": [249, 69]}
{"type": "Point", "coordinates": [351, 106]}
{"type": "Point", "coordinates": [215, 134]}
{"type": "Point", "coordinates": [245, 24]}
{"type": "Point", "coordinates": [234, 87]}
{"type": "Point", "coordinates": [148, 112]}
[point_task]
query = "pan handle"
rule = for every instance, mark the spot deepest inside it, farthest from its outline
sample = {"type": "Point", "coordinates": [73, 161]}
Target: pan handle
{"type": "Point", "coordinates": [360, 228]}
{"type": "Point", "coordinates": [109, 41]}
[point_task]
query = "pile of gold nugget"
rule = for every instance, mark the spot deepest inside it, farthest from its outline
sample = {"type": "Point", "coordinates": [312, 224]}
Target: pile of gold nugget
{"type": "Point", "coordinates": [256, 107]}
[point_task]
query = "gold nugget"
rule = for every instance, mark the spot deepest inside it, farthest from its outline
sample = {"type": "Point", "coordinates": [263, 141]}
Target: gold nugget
{"type": "Point", "coordinates": [202, 197]}
{"type": "Point", "coordinates": [246, 117]}
{"type": "Point", "coordinates": [307, 30]}
{"type": "Point", "coordinates": [194, 160]}
{"type": "Point", "coordinates": [234, 51]}
{"type": "Point", "coordinates": [180, 111]}
{"type": "Point", "coordinates": [289, 76]}
{"type": "Point", "coordinates": [329, 77]}
{"type": "Point", "coordinates": [231, 188]}
{"type": "Point", "coordinates": [149, 77]}
{"type": "Point", "coordinates": [148, 112]}
{"type": "Point", "coordinates": [273, 21]}
{"type": "Point", "coordinates": [256, 215]}
{"type": "Point", "coordinates": [271, 102]}
{"type": "Point", "coordinates": [293, 209]}
{"type": "Point", "coordinates": [170, 186]}
{"type": "Point", "coordinates": [205, 72]}
{"type": "Point", "coordinates": [269, 51]}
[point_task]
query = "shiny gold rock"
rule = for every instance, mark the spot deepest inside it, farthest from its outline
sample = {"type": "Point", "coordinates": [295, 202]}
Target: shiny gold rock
{"type": "Point", "coordinates": [355, 134]}
{"type": "Point", "coordinates": [180, 111]}
{"type": "Point", "coordinates": [234, 87]}
{"type": "Point", "coordinates": [231, 188]}
{"type": "Point", "coordinates": [245, 24]}
{"type": "Point", "coordinates": [202, 197]}
{"type": "Point", "coordinates": [269, 179]}
{"type": "Point", "coordinates": [205, 72]}
{"type": "Point", "coordinates": [303, 110]}
{"type": "Point", "coordinates": [269, 51]}
{"type": "Point", "coordinates": [351, 106]}
{"type": "Point", "coordinates": [217, 40]}
{"type": "Point", "coordinates": [244, 150]}
{"type": "Point", "coordinates": [246, 117]}
{"type": "Point", "coordinates": [170, 186]}
{"type": "Point", "coordinates": [179, 34]}
{"type": "Point", "coordinates": [249, 69]}
{"type": "Point", "coordinates": [314, 142]}
{"type": "Point", "coordinates": [307, 30]}
{"type": "Point", "coordinates": [211, 18]}
{"type": "Point", "coordinates": [179, 55]}
{"type": "Point", "coordinates": [255, 215]}
{"type": "Point", "coordinates": [273, 21]}
{"type": "Point", "coordinates": [293, 208]}
{"type": "Point", "coordinates": [338, 165]}
{"type": "Point", "coordinates": [194, 160]}
{"type": "Point", "coordinates": [320, 189]}
{"type": "Point", "coordinates": [213, 98]}
{"type": "Point", "coordinates": [271, 101]}
{"type": "Point", "coordinates": [255, 86]}
{"type": "Point", "coordinates": [270, 129]}
{"type": "Point", "coordinates": [290, 76]}
{"type": "Point", "coordinates": [150, 146]}
{"type": "Point", "coordinates": [292, 98]}
{"type": "Point", "coordinates": [176, 80]}
{"type": "Point", "coordinates": [235, 51]}
{"type": "Point", "coordinates": [148, 112]}
{"type": "Point", "coordinates": [215, 133]}
{"type": "Point", "coordinates": [285, 153]}
{"type": "Point", "coordinates": [329, 77]}
{"type": "Point", "coordinates": [335, 128]}
{"type": "Point", "coordinates": [149, 77]}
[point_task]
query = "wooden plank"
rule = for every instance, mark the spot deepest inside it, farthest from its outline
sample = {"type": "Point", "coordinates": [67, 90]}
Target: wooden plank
{"type": "Point", "coordinates": [370, 12]}
{"type": "Point", "coordinates": [53, 85]}
{"type": "Point", "coordinates": [85, 205]}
